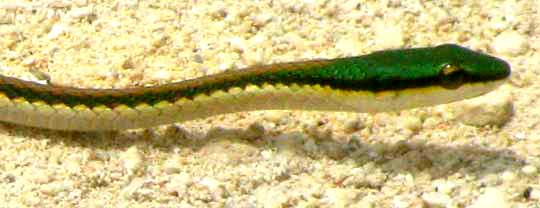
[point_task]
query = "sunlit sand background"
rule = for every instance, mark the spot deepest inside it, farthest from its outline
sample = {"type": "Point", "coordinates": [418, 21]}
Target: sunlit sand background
{"type": "Point", "coordinates": [476, 153]}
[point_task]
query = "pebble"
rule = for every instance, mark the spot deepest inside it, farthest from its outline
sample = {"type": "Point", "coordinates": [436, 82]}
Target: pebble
{"type": "Point", "coordinates": [432, 122]}
{"type": "Point", "coordinates": [492, 198]}
{"type": "Point", "coordinates": [267, 154]}
{"type": "Point", "coordinates": [179, 183]}
{"type": "Point", "coordinates": [238, 43]}
{"type": "Point", "coordinates": [278, 117]}
{"type": "Point", "coordinates": [227, 62]}
{"type": "Point", "coordinates": [411, 123]}
{"type": "Point", "coordinates": [55, 188]}
{"type": "Point", "coordinates": [13, 6]}
{"type": "Point", "coordinates": [41, 178]}
{"type": "Point", "coordinates": [130, 4]}
{"type": "Point", "coordinates": [29, 62]}
{"type": "Point", "coordinates": [435, 200]}
{"type": "Point", "coordinates": [73, 163]}
{"type": "Point", "coordinates": [214, 187]}
{"type": "Point", "coordinates": [520, 136]}
{"type": "Point", "coordinates": [56, 30]}
{"type": "Point", "coordinates": [535, 194]}
{"type": "Point", "coordinates": [79, 13]}
{"type": "Point", "coordinates": [7, 19]}
{"type": "Point", "coordinates": [173, 165]}
{"type": "Point", "coordinates": [8, 178]}
{"type": "Point", "coordinates": [272, 197]}
{"type": "Point", "coordinates": [130, 191]}
{"type": "Point", "coordinates": [508, 176]}
{"type": "Point", "coordinates": [59, 4]}
{"type": "Point", "coordinates": [407, 201]}
{"type": "Point", "coordinates": [352, 125]}
{"type": "Point", "coordinates": [262, 19]}
{"type": "Point", "coordinates": [445, 187]}
{"type": "Point", "coordinates": [365, 204]}
{"type": "Point", "coordinates": [492, 109]}
{"type": "Point", "coordinates": [132, 160]}
{"type": "Point", "coordinates": [160, 75]}
{"type": "Point", "coordinates": [254, 56]}
{"type": "Point", "coordinates": [389, 36]}
{"type": "Point", "coordinates": [510, 43]}
{"type": "Point", "coordinates": [339, 197]}
{"type": "Point", "coordinates": [80, 3]}
{"type": "Point", "coordinates": [529, 170]}
{"type": "Point", "coordinates": [349, 46]}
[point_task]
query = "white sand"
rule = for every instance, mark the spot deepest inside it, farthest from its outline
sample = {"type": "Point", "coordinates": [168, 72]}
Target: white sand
{"type": "Point", "coordinates": [446, 156]}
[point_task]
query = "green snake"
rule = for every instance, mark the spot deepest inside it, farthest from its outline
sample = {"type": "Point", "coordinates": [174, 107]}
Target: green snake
{"type": "Point", "coordinates": [387, 80]}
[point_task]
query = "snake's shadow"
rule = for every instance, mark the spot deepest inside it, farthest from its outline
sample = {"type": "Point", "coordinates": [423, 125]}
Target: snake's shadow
{"type": "Point", "coordinates": [401, 157]}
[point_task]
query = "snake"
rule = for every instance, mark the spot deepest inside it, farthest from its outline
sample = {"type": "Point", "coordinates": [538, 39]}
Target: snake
{"type": "Point", "coordinates": [386, 80]}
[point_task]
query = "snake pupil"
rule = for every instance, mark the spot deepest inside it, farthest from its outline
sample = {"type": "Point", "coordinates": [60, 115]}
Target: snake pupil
{"type": "Point", "coordinates": [452, 76]}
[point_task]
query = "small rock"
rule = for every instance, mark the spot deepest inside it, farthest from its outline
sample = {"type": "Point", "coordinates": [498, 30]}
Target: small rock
{"type": "Point", "coordinates": [492, 198]}
{"type": "Point", "coordinates": [445, 187]}
{"type": "Point", "coordinates": [508, 176]}
{"type": "Point", "coordinates": [73, 163]}
{"type": "Point", "coordinates": [179, 183]}
{"type": "Point", "coordinates": [29, 62]}
{"type": "Point", "coordinates": [13, 6]}
{"type": "Point", "coordinates": [520, 136]}
{"type": "Point", "coordinates": [365, 204]}
{"type": "Point", "coordinates": [278, 117]}
{"type": "Point", "coordinates": [529, 170]}
{"type": "Point", "coordinates": [130, 191]}
{"type": "Point", "coordinates": [132, 160]}
{"type": "Point", "coordinates": [214, 187]}
{"type": "Point", "coordinates": [6, 19]}
{"type": "Point", "coordinates": [353, 125]}
{"type": "Point", "coordinates": [80, 3]}
{"type": "Point", "coordinates": [262, 19]}
{"type": "Point", "coordinates": [349, 45]}
{"type": "Point", "coordinates": [56, 30]}
{"type": "Point", "coordinates": [238, 43]}
{"type": "Point", "coordinates": [272, 196]}
{"type": "Point", "coordinates": [510, 43]}
{"type": "Point", "coordinates": [534, 194]}
{"type": "Point", "coordinates": [267, 154]}
{"type": "Point", "coordinates": [254, 56]}
{"type": "Point", "coordinates": [389, 36]}
{"type": "Point", "coordinates": [160, 75]}
{"type": "Point", "coordinates": [59, 4]}
{"type": "Point", "coordinates": [8, 178]}
{"type": "Point", "coordinates": [130, 4]}
{"type": "Point", "coordinates": [436, 200]}
{"type": "Point", "coordinates": [432, 122]}
{"type": "Point", "coordinates": [55, 188]}
{"type": "Point", "coordinates": [339, 197]}
{"type": "Point", "coordinates": [41, 178]}
{"type": "Point", "coordinates": [173, 165]}
{"type": "Point", "coordinates": [79, 13]}
{"type": "Point", "coordinates": [411, 123]}
{"type": "Point", "coordinates": [492, 109]}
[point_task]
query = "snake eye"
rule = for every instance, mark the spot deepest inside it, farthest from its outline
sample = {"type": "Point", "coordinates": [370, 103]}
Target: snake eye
{"type": "Point", "coordinates": [451, 76]}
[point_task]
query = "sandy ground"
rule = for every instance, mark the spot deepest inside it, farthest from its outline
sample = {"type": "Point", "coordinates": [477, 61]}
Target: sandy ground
{"type": "Point", "coordinates": [477, 153]}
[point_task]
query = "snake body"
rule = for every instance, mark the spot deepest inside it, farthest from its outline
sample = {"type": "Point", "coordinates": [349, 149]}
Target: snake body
{"type": "Point", "coordinates": [386, 80]}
